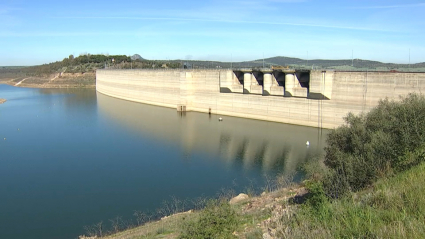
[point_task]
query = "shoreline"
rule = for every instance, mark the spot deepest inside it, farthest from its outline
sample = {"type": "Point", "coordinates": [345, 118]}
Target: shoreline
{"type": "Point", "coordinates": [52, 81]}
{"type": "Point", "coordinates": [266, 208]}
{"type": "Point", "coordinates": [50, 86]}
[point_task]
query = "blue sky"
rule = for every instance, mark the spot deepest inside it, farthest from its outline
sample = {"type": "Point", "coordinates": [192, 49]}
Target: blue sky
{"type": "Point", "coordinates": [37, 32]}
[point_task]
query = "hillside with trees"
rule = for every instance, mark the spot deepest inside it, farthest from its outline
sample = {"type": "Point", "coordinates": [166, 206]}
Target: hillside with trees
{"type": "Point", "coordinates": [75, 71]}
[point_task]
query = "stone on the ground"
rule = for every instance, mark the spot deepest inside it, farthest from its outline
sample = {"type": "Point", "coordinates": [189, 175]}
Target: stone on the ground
{"type": "Point", "coordinates": [239, 198]}
{"type": "Point", "coordinates": [267, 236]}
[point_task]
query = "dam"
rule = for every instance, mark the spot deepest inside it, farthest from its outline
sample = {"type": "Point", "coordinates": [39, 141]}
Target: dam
{"type": "Point", "coordinates": [316, 98]}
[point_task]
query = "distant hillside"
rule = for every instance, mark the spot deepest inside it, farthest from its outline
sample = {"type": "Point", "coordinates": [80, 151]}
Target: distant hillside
{"type": "Point", "coordinates": [89, 63]}
{"type": "Point", "coordinates": [320, 63]}
{"type": "Point", "coordinates": [349, 65]}
{"type": "Point", "coordinates": [83, 64]}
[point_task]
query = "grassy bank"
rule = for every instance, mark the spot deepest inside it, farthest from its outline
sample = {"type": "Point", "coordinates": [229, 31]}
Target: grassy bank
{"type": "Point", "coordinates": [391, 208]}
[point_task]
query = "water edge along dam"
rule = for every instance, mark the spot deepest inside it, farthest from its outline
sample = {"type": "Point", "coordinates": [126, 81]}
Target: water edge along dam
{"type": "Point", "coordinates": [316, 98]}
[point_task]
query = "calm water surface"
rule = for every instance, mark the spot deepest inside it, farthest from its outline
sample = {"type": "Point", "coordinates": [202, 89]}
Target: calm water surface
{"type": "Point", "coordinates": [73, 158]}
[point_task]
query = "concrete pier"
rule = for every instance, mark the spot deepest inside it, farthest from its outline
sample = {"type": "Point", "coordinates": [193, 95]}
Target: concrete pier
{"type": "Point", "coordinates": [247, 81]}
{"type": "Point", "coordinates": [268, 82]}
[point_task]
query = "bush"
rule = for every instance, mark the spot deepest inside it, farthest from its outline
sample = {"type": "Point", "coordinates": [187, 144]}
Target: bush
{"type": "Point", "coordinates": [370, 146]}
{"type": "Point", "coordinates": [217, 220]}
{"type": "Point", "coordinates": [316, 200]}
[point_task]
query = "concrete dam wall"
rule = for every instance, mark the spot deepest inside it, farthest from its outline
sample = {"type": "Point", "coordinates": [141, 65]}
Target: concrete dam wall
{"type": "Point", "coordinates": [311, 98]}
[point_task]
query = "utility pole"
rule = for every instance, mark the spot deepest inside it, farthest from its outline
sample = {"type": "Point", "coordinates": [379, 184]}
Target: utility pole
{"type": "Point", "coordinates": [352, 58]}
{"type": "Point", "coordinates": [307, 58]}
{"type": "Point", "coordinates": [231, 61]}
{"type": "Point", "coordinates": [409, 59]}
{"type": "Point", "coordinates": [263, 59]}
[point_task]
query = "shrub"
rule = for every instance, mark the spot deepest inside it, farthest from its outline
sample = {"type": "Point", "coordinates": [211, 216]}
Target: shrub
{"type": "Point", "coordinates": [217, 220]}
{"type": "Point", "coordinates": [316, 201]}
{"type": "Point", "coordinates": [373, 145]}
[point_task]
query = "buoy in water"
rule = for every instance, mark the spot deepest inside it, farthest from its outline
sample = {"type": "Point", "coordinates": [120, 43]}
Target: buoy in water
{"type": "Point", "coordinates": [220, 119]}
{"type": "Point", "coordinates": [307, 143]}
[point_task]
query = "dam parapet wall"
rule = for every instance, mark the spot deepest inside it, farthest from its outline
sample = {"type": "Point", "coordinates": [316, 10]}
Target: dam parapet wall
{"type": "Point", "coordinates": [311, 98]}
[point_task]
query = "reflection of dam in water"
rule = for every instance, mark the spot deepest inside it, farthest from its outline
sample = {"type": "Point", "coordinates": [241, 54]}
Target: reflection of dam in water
{"type": "Point", "coordinates": [251, 143]}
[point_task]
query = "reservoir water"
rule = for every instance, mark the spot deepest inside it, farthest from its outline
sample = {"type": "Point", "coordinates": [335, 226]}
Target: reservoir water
{"type": "Point", "coordinates": [71, 158]}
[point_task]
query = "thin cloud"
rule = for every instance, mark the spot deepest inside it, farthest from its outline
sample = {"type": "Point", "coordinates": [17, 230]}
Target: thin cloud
{"type": "Point", "coordinates": [391, 6]}
{"type": "Point", "coordinates": [234, 21]}
{"type": "Point", "coordinates": [7, 10]}
{"type": "Point", "coordinates": [288, 1]}
{"type": "Point", "coordinates": [136, 33]}
{"type": "Point", "coordinates": [8, 18]}
{"type": "Point", "coordinates": [60, 34]}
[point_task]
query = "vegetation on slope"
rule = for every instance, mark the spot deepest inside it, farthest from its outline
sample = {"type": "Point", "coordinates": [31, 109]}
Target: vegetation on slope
{"type": "Point", "coordinates": [385, 141]}
{"type": "Point", "coordinates": [375, 169]}
{"type": "Point", "coordinates": [392, 207]}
